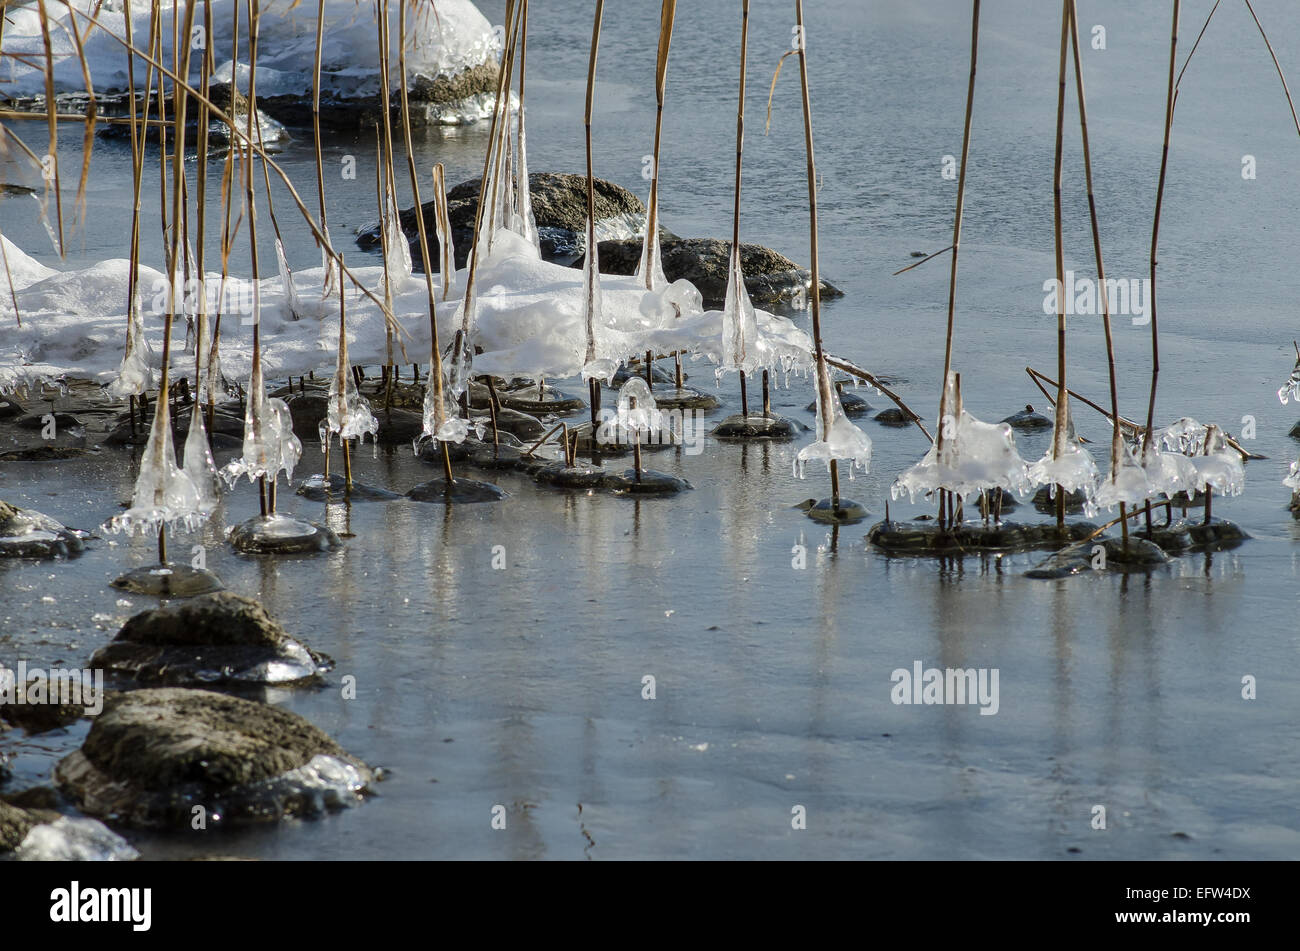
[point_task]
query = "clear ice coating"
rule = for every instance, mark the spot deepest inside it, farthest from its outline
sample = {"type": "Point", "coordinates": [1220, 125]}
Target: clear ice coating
{"type": "Point", "coordinates": [441, 417]}
{"type": "Point", "coordinates": [164, 495]}
{"type": "Point", "coordinates": [397, 253]}
{"type": "Point", "coordinates": [198, 463]}
{"type": "Point", "coordinates": [1126, 484]}
{"type": "Point", "coordinates": [1068, 465]}
{"type": "Point", "coordinates": [136, 374]}
{"type": "Point", "coordinates": [969, 456]}
{"type": "Point", "coordinates": [633, 422]}
{"type": "Point", "coordinates": [741, 345]}
{"type": "Point", "coordinates": [599, 362]}
{"type": "Point", "coordinates": [1291, 388]}
{"type": "Point", "coordinates": [838, 437]}
{"type": "Point", "coordinates": [74, 840]}
{"type": "Point", "coordinates": [293, 306]}
{"type": "Point", "coordinates": [524, 223]}
{"type": "Point", "coordinates": [269, 443]}
{"type": "Point", "coordinates": [347, 412]}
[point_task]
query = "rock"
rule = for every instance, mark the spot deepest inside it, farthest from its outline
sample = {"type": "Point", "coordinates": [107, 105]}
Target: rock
{"type": "Point", "coordinates": [168, 581]}
{"type": "Point", "coordinates": [42, 835]}
{"type": "Point", "coordinates": [281, 535]}
{"type": "Point", "coordinates": [911, 538]}
{"type": "Point", "coordinates": [41, 420]}
{"type": "Point", "coordinates": [156, 753]}
{"type": "Point", "coordinates": [755, 427]}
{"type": "Point", "coordinates": [307, 410]}
{"type": "Point", "coordinates": [1028, 420]}
{"type": "Point", "coordinates": [559, 206]}
{"type": "Point", "coordinates": [769, 276]}
{"type": "Point", "coordinates": [685, 398]}
{"type": "Point", "coordinates": [852, 404]}
{"type": "Point", "coordinates": [317, 489]}
{"type": "Point", "coordinates": [10, 408]}
{"type": "Point", "coordinates": [560, 476]}
{"type": "Point", "coordinates": [658, 374]}
{"type": "Point", "coordinates": [28, 534]}
{"type": "Point", "coordinates": [893, 417]}
{"type": "Point", "coordinates": [551, 403]}
{"type": "Point", "coordinates": [1217, 535]}
{"type": "Point", "coordinates": [462, 491]}
{"type": "Point", "coordinates": [398, 427]}
{"type": "Point", "coordinates": [848, 512]}
{"type": "Point", "coordinates": [15, 823]}
{"type": "Point", "coordinates": [520, 425]}
{"type": "Point", "coordinates": [224, 423]}
{"type": "Point", "coordinates": [1044, 501]}
{"type": "Point", "coordinates": [1138, 555]}
{"type": "Point", "coordinates": [213, 638]}
{"type": "Point", "coordinates": [651, 482]}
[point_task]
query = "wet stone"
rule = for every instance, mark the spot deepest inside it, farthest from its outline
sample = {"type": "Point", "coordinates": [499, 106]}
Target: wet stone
{"type": "Point", "coordinates": [658, 374]}
{"type": "Point", "coordinates": [210, 639]}
{"type": "Point", "coordinates": [553, 402]}
{"type": "Point", "coordinates": [970, 537]}
{"type": "Point", "coordinates": [853, 404]}
{"type": "Point", "coordinates": [685, 398]}
{"type": "Point", "coordinates": [317, 488]}
{"type": "Point", "coordinates": [571, 477]}
{"type": "Point", "coordinates": [755, 427]}
{"type": "Point", "coordinates": [1219, 534]}
{"type": "Point", "coordinates": [1028, 420]}
{"type": "Point", "coordinates": [1045, 502]}
{"type": "Point", "coordinates": [461, 492]}
{"type": "Point", "coordinates": [651, 482]}
{"type": "Point", "coordinates": [512, 421]}
{"type": "Point", "coordinates": [396, 426]}
{"type": "Point", "coordinates": [169, 581]}
{"type": "Point", "coordinates": [10, 408]}
{"type": "Point", "coordinates": [281, 535]}
{"type": "Point", "coordinates": [848, 512]}
{"type": "Point", "coordinates": [156, 753]}
{"type": "Point", "coordinates": [41, 420]}
{"type": "Point", "coordinates": [28, 534]}
{"type": "Point", "coordinates": [893, 417]}
{"type": "Point", "coordinates": [1293, 432]}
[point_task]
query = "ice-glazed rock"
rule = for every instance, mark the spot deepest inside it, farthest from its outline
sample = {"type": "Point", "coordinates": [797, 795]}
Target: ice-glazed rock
{"type": "Point", "coordinates": [210, 639]}
{"type": "Point", "coordinates": [155, 754]}
{"type": "Point", "coordinates": [39, 835]}
{"type": "Point", "coordinates": [28, 534]}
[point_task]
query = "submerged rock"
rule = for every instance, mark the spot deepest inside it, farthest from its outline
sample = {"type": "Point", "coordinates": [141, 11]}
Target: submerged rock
{"type": "Point", "coordinates": [1045, 501]}
{"type": "Point", "coordinates": [559, 206]}
{"type": "Point", "coordinates": [571, 477]}
{"type": "Point", "coordinates": [1137, 555]}
{"type": "Point", "coordinates": [1028, 420]}
{"type": "Point", "coordinates": [848, 512]}
{"type": "Point", "coordinates": [317, 488]}
{"type": "Point", "coordinates": [213, 638]}
{"type": "Point", "coordinates": [153, 755]}
{"type": "Point", "coordinates": [913, 538]}
{"type": "Point", "coordinates": [169, 581]}
{"type": "Point", "coordinates": [461, 491]}
{"type": "Point", "coordinates": [549, 402]}
{"type": "Point", "coordinates": [28, 534]}
{"type": "Point", "coordinates": [893, 417]}
{"type": "Point", "coordinates": [769, 275]}
{"type": "Point", "coordinates": [658, 374]}
{"type": "Point", "coordinates": [650, 482]}
{"type": "Point", "coordinates": [755, 427]}
{"type": "Point", "coordinates": [42, 835]}
{"type": "Point", "coordinates": [685, 398]}
{"type": "Point", "coordinates": [281, 535]}
{"type": "Point", "coordinates": [853, 404]}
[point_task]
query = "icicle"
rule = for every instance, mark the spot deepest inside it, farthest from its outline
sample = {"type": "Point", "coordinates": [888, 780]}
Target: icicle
{"type": "Point", "coordinates": [838, 437]}
{"type": "Point", "coordinates": [598, 363]}
{"type": "Point", "coordinates": [651, 258]}
{"type": "Point", "coordinates": [1068, 465]}
{"type": "Point", "coordinates": [442, 227]}
{"type": "Point", "coordinates": [164, 495]}
{"type": "Point", "coordinates": [741, 343]}
{"type": "Point", "coordinates": [291, 304]}
{"type": "Point", "coordinates": [525, 223]}
{"type": "Point", "coordinates": [136, 374]}
{"type": "Point", "coordinates": [198, 463]}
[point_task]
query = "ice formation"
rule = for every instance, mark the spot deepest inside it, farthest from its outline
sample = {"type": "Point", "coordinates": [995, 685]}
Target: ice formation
{"type": "Point", "coordinates": [164, 494]}
{"type": "Point", "coordinates": [969, 456]}
{"type": "Point", "coordinates": [524, 222]}
{"type": "Point", "coordinates": [741, 347]}
{"type": "Point", "coordinates": [74, 840]}
{"type": "Point", "coordinates": [837, 436]}
{"type": "Point", "coordinates": [443, 38]}
{"type": "Point", "coordinates": [1069, 466]}
{"type": "Point", "coordinates": [632, 423]}
{"type": "Point", "coordinates": [1291, 388]}
{"type": "Point", "coordinates": [269, 443]}
{"type": "Point", "coordinates": [197, 461]}
{"type": "Point", "coordinates": [346, 412]}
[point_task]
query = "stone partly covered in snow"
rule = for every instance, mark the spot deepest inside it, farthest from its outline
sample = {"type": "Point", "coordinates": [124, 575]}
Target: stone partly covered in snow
{"type": "Point", "coordinates": [40, 835]}
{"type": "Point", "coordinates": [770, 277]}
{"type": "Point", "coordinates": [559, 205]}
{"type": "Point", "coordinates": [28, 534]}
{"type": "Point", "coordinates": [451, 55]}
{"type": "Point", "coordinates": [155, 754]}
{"type": "Point", "coordinates": [210, 639]}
